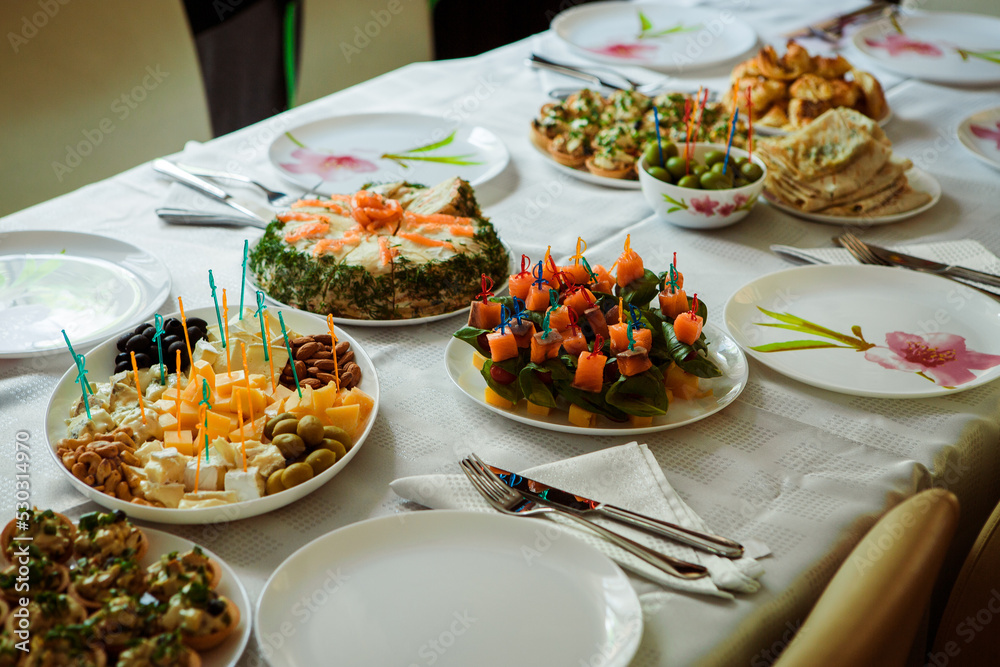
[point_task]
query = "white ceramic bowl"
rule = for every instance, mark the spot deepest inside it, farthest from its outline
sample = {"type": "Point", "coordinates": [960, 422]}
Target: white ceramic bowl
{"type": "Point", "coordinates": [702, 209]}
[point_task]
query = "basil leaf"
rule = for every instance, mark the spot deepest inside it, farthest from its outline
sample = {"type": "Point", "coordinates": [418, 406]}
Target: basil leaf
{"type": "Point", "coordinates": [691, 359]}
{"type": "Point", "coordinates": [511, 391]}
{"type": "Point", "coordinates": [589, 400]}
{"type": "Point", "coordinates": [642, 290]}
{"type": "Point", "coordinates": [533, 388]}
{"type": "Point", "coordinates": [642, 395]}
{"type": "Point", "coordinates": [471, 336]}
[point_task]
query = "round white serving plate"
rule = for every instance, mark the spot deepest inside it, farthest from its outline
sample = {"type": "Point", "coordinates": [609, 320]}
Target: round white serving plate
{"type": "Point", "coordinates": [100, 361]}
{"type": "Point", "coordinates": [92, 286]}
{"type": "Point", "coordinates": [452, 589]}
{"type": "Point", "coordinates": [723, 350]}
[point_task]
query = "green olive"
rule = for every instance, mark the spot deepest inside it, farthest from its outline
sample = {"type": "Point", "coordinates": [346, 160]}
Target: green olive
{"type": "Point", "coordinates": [651, 156]}
{"type": "Point", "coordinates": [721, 167]}
{"type": "Point", "coordinates": [714, 157]}
{"type": "Point", "coordinates": [310, 430]}
{"type": "Point", "coordinates": [698, 169]}
{"type": "Point", "coordinates": [286, 415]}
{"type": "Point", "coordinates": [660, 174]}
{"type": "Point", "coordinates": [296, 474]}
{"type": "Point", "coordinates": [291, 445]}
{"type": "Point", "coordinates": [284, 426]}
{"type": "Point", "coordinates": [751, 171]}
{"type": "Point", "coordinates": [742, 160]}
{"type": "Point", "coordinates": [713, 181]}
{"type": "Point", "coordinates": [689, 181]}
{"type": "Point", "coordinates": [274, 484]}
{"type": "Point", "coordinates": [670, 150]}
{"type": "Point", "coordinates": [676, 167]}
{"type": "Point", "coordinates": [338, 434]}
{"type": "Point", "coordinates": [334, 446]}
{"type": "Point", "coordinates": [740, 182]}
{"type": "Point", "coordinates": [269, 427]}
{"type": "Point", "coordinates": [320, 460]}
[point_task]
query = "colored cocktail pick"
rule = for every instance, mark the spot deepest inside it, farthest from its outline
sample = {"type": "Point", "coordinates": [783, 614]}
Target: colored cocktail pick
{"type": "Point", "coordinates": [659, 139]}
{"type": "Point", "coordinates": [243, 282]}
{"type": "Point", "coordinates": [184, 323]}
{"type": "Point", "coordinates": [81, 373]}
{"type": "Point", "coordinates": [215, 299]}
{"type": "Point", "coordinates": [205, 401]}
{"type": "Point", "coordinates": [291, 359]}
{"type": "Point", "coordinates": [138, 387]}
{"type": "Point", "coordinates": [225, 314]}
{"type": "Point", "coordinates": [732, 131]}
{"type": "Point", "coordinates": [333, 347]}
{"type": "Point", "coordinates": [590, 272]}
{"type": "Point", "coordinates": [539, 274]}
{"type": "Point", "coordinates": [158, 337]}
{"type": "Point", "coordinates": [631, 338]}
{"type": "Point", "coordinates": [546, 328]}
{"type": "Point", "coordinates": [486, 285]}
{"type": "Point", "coordinates": [504, 319]}
{"type": "Point", "coordinates": [260, 316]}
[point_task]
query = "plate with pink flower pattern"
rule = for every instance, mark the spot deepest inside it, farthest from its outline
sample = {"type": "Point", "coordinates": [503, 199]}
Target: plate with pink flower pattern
{"type": "Point", "coordinates": [349, 151]}
{"type": "Point", "coordinates": [874, 331]}
{"type": "Point", "coordinates": [947, 47]}
{"type": "Point", "coordinates": [980, 134]}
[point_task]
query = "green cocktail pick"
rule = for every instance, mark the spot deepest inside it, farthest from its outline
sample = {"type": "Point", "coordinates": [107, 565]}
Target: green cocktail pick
{"type": "Point", "coordinates": [291, 359]}
{"type": "Point", "coordinates": [81, 373]}
{"type": "Point", "coordinates": [218, 313]}
{"type": "Point", "coordinates": [243, 282]}
{"type": "Point", "coordinates": [158, 337]}
{"type": "Point", "coordinates": [260, 316]}
{"type": "Point", "coordinates": [205, 394]}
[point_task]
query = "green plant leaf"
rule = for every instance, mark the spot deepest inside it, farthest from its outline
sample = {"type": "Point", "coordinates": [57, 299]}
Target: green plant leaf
{"type": "Point", "coordinates": [642, 395]}
{"type": "Point", "coordinates": [797, 345]}
{"type": "Point", "coordinates": [295, 141]}
{"type": "Point", "coordinates": [805, 326]}
{"type": "Point", "coordinates": [437, 144]}
{"type": "Point", "coordinates": [678, 204]}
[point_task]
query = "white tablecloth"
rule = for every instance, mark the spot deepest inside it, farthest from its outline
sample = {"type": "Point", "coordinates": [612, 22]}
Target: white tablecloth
{"type": "Point", "coordinates": [802, 469]}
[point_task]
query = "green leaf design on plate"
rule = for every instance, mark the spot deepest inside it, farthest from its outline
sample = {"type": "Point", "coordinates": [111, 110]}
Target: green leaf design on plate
{"type": "Point", "coordinates": [801, 325]}
{"type": "Point", "coordinates": [458, 160]}
{"type": "Point", "coordinates": [644, 22]}
{"type": "Point", "coordinates": [677, 205]}
{"type": "Point", "coordinates": [796, 345]}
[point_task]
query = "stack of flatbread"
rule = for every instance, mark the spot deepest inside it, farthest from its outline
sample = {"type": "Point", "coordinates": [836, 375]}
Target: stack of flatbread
{"type": "Point", "coordinates": [841, 164]}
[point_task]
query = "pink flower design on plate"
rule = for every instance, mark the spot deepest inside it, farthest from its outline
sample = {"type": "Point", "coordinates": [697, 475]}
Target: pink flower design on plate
{"type": "Point", "coordinates": [705, 206]}
{"type": "Point", "coordinates": [739, 199]}
{"type": "Point", "coordinates": [897, 44]}
{"type": "Point", "coordinates": [330, 167]}
{"type": "Point", "coordinates": [987, 133]}
{"type": "Point", "coordinates": [942, 357]}
{"type": "Point", "coordinates": [726, 209]}
{"type": "Point", "coordinates": [623, 50]}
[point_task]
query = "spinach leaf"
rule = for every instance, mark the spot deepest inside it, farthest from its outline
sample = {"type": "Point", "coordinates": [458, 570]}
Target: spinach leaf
{"type": "Point", "coordinates": [589, 401]}
{"type": "Point", "coordinates": [511, 391]}
{"type": "Point", "coordinates": [471, 336]}
{"type": "Point", "coordinates": [642, 395]}
{"type": "Point", "coordinates": [642, 290]}
{"type": "Point", "coordinates": [691, 358]}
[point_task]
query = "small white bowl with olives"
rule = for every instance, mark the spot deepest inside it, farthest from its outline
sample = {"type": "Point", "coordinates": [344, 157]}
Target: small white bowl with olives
{"type": "Point", "coordinates": [705, 192]}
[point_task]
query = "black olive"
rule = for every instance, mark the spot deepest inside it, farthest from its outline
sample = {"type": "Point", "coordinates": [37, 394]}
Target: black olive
{"type": "Point", "coordinates": [123, 340]}
{"type": "Point", "coordinates": [149, 332]}
{"type": "Point", "coordinates": [122, 356]}
{"type": "Point", "coordinates": [139, 329]}
{"type": "Point", "coordinates": [197, 322]}
{"type": "Point", "coordinates": [120, 515]}
{"type": "Point", "coordinates": [215, 607]}
{"type": "Point", "coordinates": [142, 360]}
{"type": "Point", "coordinates": [195, 334]}
{"type": "Point", "coordinates": [168, 341]}
{"type": "Point", "coordinates": [172, 355]}
{"type": "Point", "coordinates": [123, 366]}
{"type": "Point", "coordinates": [137, 343]}
{"type": "Point", "coordinates": [174, 326]}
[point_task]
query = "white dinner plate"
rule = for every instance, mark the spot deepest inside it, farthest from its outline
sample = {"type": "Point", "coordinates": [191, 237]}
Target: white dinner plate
{"type": "Point", "coordinates": [610, 32]}
{"type": "Point", "coordinates": [92, 286]}
{"type": "Point", "coordinates": [766, 131]}
{"type": "Point", "coordinates": [450, 589]}
{"type": "Point", "coordinates": [349, 151]}
{"type": "Point", "coordinates": [925, 332]}
{"type": "Point", "coordinates": [587, 177]}
{"type": "Point", "coordinates": [932, 46]}
{"type": "Point", "coordinates": [100, 366]}
{"type": "Point", "coordinates": [919, 180]}
{"type": "Point", "coordinates": [228, 653]}
{"type": "Point", "coordinates": [723, 350]}
{"type": "Point", "coordinates": [350, 321]}
{"type": "Point", "coordinates": [980, 134]}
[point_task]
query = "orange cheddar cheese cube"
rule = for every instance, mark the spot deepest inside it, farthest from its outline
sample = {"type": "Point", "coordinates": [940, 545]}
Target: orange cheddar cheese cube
{"type": "Point", "coordinates": [363, 400]}
{"type": "Point", "coordinates": [183, 443]}
{"type": "Point", "coordinates": [325, 398]}
{"type": "Point", "coordinates": [346, 417]}
{"type": "Point", "coordinates": [241, 398]}
{"type": "Point", "coordinates": [204, 369]}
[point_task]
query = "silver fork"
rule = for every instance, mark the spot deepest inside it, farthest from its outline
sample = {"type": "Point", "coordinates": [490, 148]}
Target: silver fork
{"type": "Point", "coordinates": [273, 196]}
{"type": "Point", "coordinates": [508, 501]}
{"type": "Point", "coordinates": [859, 249]}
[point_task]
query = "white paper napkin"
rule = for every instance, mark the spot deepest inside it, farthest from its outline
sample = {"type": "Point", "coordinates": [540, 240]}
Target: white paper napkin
{"type": "Point", "coordinates": [628, 476]}
{"type": "Point", "coordinates": [967, 253]}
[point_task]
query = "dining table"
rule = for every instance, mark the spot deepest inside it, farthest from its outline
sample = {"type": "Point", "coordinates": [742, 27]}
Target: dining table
{"type": "Point", "coordinates": [804, 470]}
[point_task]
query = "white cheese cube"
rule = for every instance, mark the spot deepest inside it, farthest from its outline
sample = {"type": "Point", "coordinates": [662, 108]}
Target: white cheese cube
{"type": "Point", "coordinates": [205, 351]}
{"type": "Point", "coordinates": [268, 460]}
{"type": "Point", "coordinates": [209, 474]}
{"type": "Point", "coordinates": [146, 450]}
{"type": "Point", "coordinates": [247, 485]}
{"type": "Point", "coordinates": [166, 466]}
{"type": "Point", "coordinates": [168, 494]}
{"type": "Point", "coordinates": [207, 499]}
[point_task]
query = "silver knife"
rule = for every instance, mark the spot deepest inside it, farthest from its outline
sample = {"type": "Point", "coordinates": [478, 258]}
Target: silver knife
{"type": "Point", "coordinates": [183, 216]}
{"type": "Point", "coordinates": [199, 184]}
{"type": "Point", "coordinates": [549, 495]}
{"type": "Point", "coordinates": [930, 266]}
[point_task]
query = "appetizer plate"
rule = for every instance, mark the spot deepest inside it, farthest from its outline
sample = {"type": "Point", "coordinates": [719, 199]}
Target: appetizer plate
{"type": "Point", "coordinates": [980, 134]}
{"type": "Point", "coordinates": [587, 177]}
{"type": "Point", "coordinates": [91, 286]}
{"type": "Point", "coordinates": [725, 389]}
{"type": "Point", "coordinates": [449, 588]}
{"type": "Point", "coordinates": [228, 653]}
{"type": "Point", "coordinates": [350, 321]}
{"type": "Point", "coordinates": [653, 35]}
{"type": "Point", "coordinates": [919, 179]}
{"type": "Point", "coordinates": [869, 330]}
{"type": "Point", "coordinates": [937, 46]}
{"type": "Point", "coordinates": [764, 130]}
{"type": "Point", "coordinates": [100, 364]}
{"type": "Point", "coordinates": [349, 151]}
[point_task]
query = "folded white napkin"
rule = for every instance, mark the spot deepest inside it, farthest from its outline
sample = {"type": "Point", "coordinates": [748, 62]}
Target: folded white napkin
{"type": "Point", "coordinates": [967, 253]}
{"type": "Point", "coordinates": [628, 476]}
{"type": "Point", "coordinates": [548, 45]}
